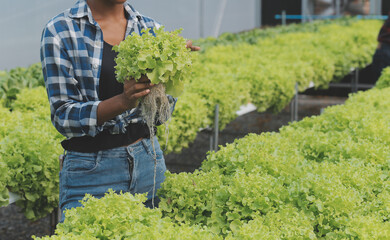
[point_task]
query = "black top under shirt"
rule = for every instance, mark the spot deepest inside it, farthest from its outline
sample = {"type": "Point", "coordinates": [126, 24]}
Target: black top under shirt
{"type": "Point", "coordinates": [108, 85]}
{"type": "Point", "coordinates": [108, 88]}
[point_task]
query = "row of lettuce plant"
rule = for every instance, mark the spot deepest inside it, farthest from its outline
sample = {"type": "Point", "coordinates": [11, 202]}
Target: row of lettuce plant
{"type": "Point", "coordinates": [252, 36]}
{"type": "Point", "coordinates": [263, 73]}
{"type": "Point", "coordinates": [29, 150]}
{"type": "Point", "coordinates": [11, 82]}
{"type": "Point", "coordinates": [384, 80]}
{"type": "Point", "coordinates": [325, 177]}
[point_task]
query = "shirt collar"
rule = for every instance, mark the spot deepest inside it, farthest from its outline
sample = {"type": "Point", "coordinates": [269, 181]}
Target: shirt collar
{"type": "Point", "coordinates": [81, 9]}
{"type": "Point", "coordinates": [131, 13]}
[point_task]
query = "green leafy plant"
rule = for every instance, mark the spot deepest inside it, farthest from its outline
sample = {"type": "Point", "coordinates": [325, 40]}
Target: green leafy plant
{"type": "Point", "coordinates": [261, 67]}
{"type": "Point", "coordinates": [323, 177]}
{"type": "Point", "coordinates": [4, 179]}
{"type": "Point", "coordinates": [162, 57]}
{"type": "Point", "coordinates": [29, 147]}
{"type": "Point", "coordinates": [253, 36]}
{"type": "Point", "coordinates": [265, 69]}
{"type": "Point", "coordinates": [122, 216]}
{"type": "Point", "coordinates": [384, 80]}
{"type": "Point", "coordinates": [16, 79]}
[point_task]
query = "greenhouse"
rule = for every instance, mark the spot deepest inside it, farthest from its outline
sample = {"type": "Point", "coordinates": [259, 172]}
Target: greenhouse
{"type": "Point", "coordinates": [257, 119]}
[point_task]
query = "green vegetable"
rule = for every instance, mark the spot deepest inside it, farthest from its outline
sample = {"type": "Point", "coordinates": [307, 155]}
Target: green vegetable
{"type": "Point", "coordinates": [122, 216]}
{"type": "Point", "coordinates": [29, 147]}
{"type": "Point", "coordinates": [384, 80]}
{"type": "Point", "coordinates": [4, 179]}
{"type": "Point", "coordinates": [164, 58]}
{"type": "Point", "coordinates": [326, 177]}
{"type": "Point", "coordinates": [265, 69]}
{"type": "Point", "coordinates": [16, 79]}
{"type": "Point", "coordinates": [261, 67]}
{"type": "Point", "coordinates": [323, 177]}
{"type": "Point", "coordinates": [253, 36]}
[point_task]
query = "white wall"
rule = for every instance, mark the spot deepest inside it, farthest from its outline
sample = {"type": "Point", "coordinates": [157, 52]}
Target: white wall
{"type": "Point", "coordinates": [21, 24]}
{"type": "Point", "coordinates": [22, 21]}
{"type": "Point", "coordinates": [238, 15]}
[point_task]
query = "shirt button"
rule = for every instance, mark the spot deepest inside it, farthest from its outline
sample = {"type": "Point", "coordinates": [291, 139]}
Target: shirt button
{"type": "Point", "coordinates": [95, 66]}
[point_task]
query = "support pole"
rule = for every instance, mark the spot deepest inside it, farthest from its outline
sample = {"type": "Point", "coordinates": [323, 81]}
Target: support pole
{"type": "Point", "coordinates": [338, 8]}
{"type": "Point", "coordinates": [201, 18]}
{"type": "Point", "coordinates": [53, 221]}
{"type": "Point", "coordinates": [258, 10]}
{"type": "Point", "coordinates": [216, 127]}
{"type": "Point", "coordinates": [284, 18]}
{"type": "Point", "coordinates": [214, 134]}
{"type": "Point", "coordinates": [211, 141]}
{"type": "Point", "coordinates": [355, 81]}
{"type": "Point", "coordinates": [296, 102]}
{"type": "Point", "coordinates": [303, 10]}
{"type": "Point", "coordinates": [375, 7]}
{"type": "Point", "coordinates": [294, 105]}
{"type": "Point", "coordinates": [220, 18]}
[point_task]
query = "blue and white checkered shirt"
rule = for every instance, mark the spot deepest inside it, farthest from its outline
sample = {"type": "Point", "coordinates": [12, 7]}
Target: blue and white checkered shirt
{"type": "Point", "coordinates": [71, 55]}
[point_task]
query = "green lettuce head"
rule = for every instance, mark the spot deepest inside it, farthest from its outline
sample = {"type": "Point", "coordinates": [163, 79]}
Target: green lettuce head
{"type": "Point", "coordinates": [163, 58]}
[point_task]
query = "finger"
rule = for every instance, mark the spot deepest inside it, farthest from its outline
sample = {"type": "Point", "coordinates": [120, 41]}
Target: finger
{"type": "Point", "coordinates": [146, 80]}
{"type": "Point", "coordinates": [141, 86]}
{"type": "Point", "coordinates": [193, 48]}
{"type": "Point", "coordinates": [143, 79]}
{"type": "Point", "coordinates": [189, 44]}
{"type": "Point", "coordinates": [141, 94]}
{"type": "Point", "coordinates": [129, 91]}
{"type": "Point", "coordinates": [129, 81]}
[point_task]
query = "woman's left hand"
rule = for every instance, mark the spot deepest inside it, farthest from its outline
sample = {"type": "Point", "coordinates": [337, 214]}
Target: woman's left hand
{"type": "Point", "coordinates": [193, 48]}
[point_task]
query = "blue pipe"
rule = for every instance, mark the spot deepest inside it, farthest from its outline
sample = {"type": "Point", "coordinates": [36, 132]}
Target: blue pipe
{"type": "Point", "coordinates": [300, 17]}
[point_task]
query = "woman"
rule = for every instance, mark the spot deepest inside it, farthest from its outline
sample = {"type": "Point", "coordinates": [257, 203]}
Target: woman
{"type": "Point", "coordinates": [107, 143]}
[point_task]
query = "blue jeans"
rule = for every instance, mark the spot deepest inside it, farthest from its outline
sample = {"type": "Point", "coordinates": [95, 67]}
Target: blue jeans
{"type": "Point", "coordinates": [126, 169]}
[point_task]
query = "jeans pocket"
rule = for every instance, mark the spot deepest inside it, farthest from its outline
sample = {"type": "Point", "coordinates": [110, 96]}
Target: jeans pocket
{"type": "Point", "coordinates": [76, 162]}
{"type": "Point", "coordinates": [160, 155]}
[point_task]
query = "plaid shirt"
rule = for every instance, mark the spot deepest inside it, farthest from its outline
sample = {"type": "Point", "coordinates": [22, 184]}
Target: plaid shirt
{"type": "Point", "coordinates": [384, 34]}
{"type": "Point", "coordinates": [71, 55]}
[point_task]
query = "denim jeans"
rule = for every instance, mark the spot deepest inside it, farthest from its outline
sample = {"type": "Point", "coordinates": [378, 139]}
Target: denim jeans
{"type": "Point", "coordinates": [126, 169]}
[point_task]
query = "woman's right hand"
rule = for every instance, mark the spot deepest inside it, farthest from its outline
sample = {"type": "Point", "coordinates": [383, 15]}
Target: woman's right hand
{"type": "Point", "coordinates": [133, 90]}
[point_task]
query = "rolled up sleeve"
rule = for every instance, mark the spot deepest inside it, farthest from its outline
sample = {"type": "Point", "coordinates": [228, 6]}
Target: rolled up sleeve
{"type": "Point", "coordinates": [71, 113]}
